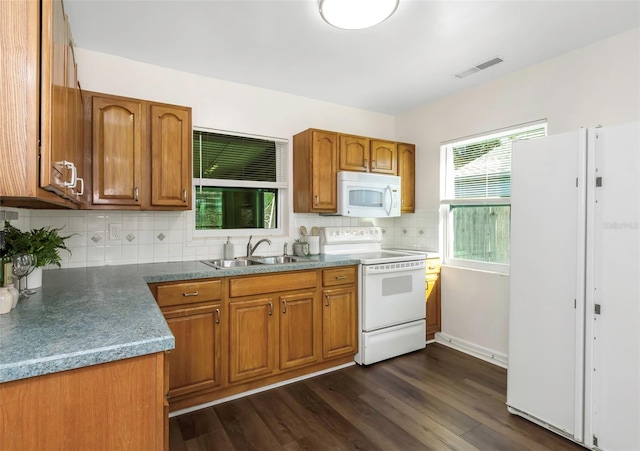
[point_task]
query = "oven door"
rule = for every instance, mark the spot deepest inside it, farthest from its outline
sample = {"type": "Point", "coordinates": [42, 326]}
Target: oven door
{"type": "Point", "coordinates": [392, 293]}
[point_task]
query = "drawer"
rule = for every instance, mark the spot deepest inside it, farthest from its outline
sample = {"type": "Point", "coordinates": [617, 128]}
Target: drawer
{"type": "Point", "coordinates": [271, 283]}
{"type": "Point", "coordinates": [188, 292]}
{"type": "Point", "coordinates": [339, 276]}
{"type": "Point", "coordinates": [433, 265]}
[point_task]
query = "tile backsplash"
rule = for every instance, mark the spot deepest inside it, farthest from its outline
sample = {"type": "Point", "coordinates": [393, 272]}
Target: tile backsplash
{"type": "Point", "coordinates": [148, 237]}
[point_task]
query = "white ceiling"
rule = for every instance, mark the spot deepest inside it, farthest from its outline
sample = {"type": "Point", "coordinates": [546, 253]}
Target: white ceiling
{"type": "Point", "coordinates": [402, 63]}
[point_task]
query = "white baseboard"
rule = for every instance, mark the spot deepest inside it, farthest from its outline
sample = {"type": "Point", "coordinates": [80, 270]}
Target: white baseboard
{"type": "Point", "coordinates": [258, 390]}
{"type": "Point", "coordinates": [488, 355]}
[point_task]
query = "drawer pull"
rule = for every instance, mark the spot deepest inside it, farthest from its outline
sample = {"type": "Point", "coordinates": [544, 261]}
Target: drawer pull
{"type": "Point", "coordinates": [193, 293]}
{"type": "Point", "coordinates": [340, 277]}
{"type": "Point", "coordinates": [217, 316]}
{"type": "Point", "coordinates": [432, 267]}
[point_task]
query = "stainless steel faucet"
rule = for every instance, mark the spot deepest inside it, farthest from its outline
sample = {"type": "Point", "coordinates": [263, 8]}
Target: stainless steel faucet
{"type": "Point", "coordinates": [251, 250]}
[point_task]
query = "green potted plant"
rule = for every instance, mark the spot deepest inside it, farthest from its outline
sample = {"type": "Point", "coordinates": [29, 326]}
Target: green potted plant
{"type": "Point", "coordinates": [44, 243]}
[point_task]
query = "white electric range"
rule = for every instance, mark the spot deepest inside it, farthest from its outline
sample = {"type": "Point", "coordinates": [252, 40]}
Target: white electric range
{"type": "Point", "coordinates": [391, 287]}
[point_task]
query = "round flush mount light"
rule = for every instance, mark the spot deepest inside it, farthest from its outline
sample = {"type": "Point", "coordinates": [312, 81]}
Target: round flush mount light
{"type": "Point", "coordinates": [356, 14]}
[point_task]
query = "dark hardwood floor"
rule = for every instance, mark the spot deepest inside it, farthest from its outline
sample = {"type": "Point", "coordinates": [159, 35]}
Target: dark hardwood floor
{"type": "Point", "coordinates": [437, 398]}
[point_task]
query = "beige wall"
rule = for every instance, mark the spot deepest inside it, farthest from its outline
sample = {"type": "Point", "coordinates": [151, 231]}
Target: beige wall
{"type": "Point", "coordinates": [597, 84]}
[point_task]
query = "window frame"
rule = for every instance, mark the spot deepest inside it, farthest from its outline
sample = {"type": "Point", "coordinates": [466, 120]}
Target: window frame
{"type": "Point", "coordinates": [281, 186]}
{"type": "Point", "coordinates": [448, 200]}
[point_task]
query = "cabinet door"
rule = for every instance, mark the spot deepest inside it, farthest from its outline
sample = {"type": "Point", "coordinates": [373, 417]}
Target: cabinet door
{"type": "Point", "coordinates": [324, 149]}
{"type": "Point", "coordinates": [407, 172]}
{"type": "Point", "coordinates": [170, 156]}
{"type": "Point", "coordinates": [117, 151]}
{"type": "Point", "coordinates": [299, 329]}
{"type": "Point", "coordinates": [53, 172]}
{"type": "Point", "coordinates": [433, 305]}
{"type": "Point", "coordinates": [384, 157]}
{"type": "Point", "coordinates": [354, 153]}
{"type": "Point", "coordinates": [252, 338]}
{"type": "Point", "coordinates": [339, 322]}
{"type": "Point", "coordinates": [195, 363]}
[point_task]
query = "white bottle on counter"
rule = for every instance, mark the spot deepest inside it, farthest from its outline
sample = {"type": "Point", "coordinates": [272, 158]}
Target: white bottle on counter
{"type": "Point", "coordinates": [228, 249]}
{"type": "Point", "coordinates": [14, 292]}
{"type": "Point", "coordinates": [6, 300]}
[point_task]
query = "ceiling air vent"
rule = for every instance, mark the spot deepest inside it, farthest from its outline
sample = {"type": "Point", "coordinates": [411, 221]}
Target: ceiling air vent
{"type": "Point", "coordinates": [478, 68]}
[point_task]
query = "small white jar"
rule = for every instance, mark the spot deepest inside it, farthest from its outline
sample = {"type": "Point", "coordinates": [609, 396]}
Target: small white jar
{"type": "Point", "coordinates": [15, 293]}
{"type": "Point", "coordinates": [6, 300]}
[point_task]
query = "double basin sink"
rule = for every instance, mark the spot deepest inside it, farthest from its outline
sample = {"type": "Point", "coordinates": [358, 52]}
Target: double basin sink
{"type": "Point", "coordinates": [249, 261]}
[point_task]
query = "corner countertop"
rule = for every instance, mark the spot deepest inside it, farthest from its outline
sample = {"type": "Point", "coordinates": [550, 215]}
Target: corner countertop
{"type": "Point", "coordinates": [88, 316]}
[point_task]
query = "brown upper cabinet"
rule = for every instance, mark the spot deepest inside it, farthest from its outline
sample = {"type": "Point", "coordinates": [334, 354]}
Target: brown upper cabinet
{"type": "Point", "coordinates": [315, 165]}
{"type": "Point", "coordinates": [141, 154]}
{"type": "Point", "coordinates": [407, 173]}
{"type": "Point", "coordinates": [40, 116]}
{"type": "Point", "coordinates": [361, 154]}
{"type": "Point", "coordinates": [384, 157]}
{"type": "Point", "coordinates": [319, 154]}
{"type": "Point", "coordinates": [354, 153]}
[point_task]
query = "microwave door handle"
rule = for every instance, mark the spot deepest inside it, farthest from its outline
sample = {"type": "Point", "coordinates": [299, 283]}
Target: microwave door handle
{"type": "Point", "coordinates": [388, 189]}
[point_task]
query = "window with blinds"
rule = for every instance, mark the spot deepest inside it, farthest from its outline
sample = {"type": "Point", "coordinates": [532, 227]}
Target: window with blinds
{"type": "Point", "coordinates": [476, 174]}
{"type": "Point", "coordinates": [238, 181]}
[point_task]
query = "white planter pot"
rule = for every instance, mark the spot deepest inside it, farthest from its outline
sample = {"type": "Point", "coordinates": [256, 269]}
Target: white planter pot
{"type": "Point", "coordinates": [34, 280]}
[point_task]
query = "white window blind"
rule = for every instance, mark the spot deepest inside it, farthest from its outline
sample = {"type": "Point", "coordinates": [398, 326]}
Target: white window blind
{"type": "Point", "coordinates": [480, 168]}
{"type": "Point", "coordinates": [220, 159]}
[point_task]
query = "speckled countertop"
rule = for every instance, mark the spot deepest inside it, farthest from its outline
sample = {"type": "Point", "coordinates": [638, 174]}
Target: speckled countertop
{"type": "Point", "coordinates": [86, 316]}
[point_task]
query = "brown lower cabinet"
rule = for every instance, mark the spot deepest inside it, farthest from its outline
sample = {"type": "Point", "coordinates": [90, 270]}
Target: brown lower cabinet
{"type": "Point", "coordinates": [278, 327]}
{"type": "Point", "coordinates": [115, 405]}
{"type": "Point", "coordinates": [432, 297]}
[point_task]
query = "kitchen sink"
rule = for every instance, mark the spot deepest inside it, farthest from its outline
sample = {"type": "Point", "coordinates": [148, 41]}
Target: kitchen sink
{"type": "Point", "coordinates": [279, 259]}
{"type": "Point", "coordinates": [248, 261]}
{"type": "Point", "coordinates": [234, 263]}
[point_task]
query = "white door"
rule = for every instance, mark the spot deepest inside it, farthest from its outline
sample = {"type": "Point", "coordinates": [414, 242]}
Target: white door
{"type": "Point", "coordinates": [544, 378]}
{"type": "Point", "coordinates": [613, 352]}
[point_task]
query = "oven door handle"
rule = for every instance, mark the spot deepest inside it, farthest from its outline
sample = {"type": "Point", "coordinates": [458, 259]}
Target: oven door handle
{"type": "Point", "coordinates": [388, 190]}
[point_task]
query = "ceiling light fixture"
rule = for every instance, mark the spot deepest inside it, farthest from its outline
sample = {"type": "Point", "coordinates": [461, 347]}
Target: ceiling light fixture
{"type": "Point", "coordinates": [356, 14]}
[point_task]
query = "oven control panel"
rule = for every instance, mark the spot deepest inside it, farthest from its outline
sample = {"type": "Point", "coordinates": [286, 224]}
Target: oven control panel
{"type": "Point", "coordinates": [346, 235]}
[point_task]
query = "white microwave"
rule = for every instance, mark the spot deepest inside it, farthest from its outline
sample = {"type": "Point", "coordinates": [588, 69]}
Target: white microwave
{"type": "Point", "coordinates": [367, 195]}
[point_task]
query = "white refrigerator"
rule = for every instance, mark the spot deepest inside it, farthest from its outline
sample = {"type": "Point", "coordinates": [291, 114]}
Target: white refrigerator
{"type": "Point", "coordinates": [574, 307]}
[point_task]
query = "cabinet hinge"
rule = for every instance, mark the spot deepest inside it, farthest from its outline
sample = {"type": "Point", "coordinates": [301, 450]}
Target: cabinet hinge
{"type": "Point", "coordinates": [595, 441]}
{"type": "Point", "coordinates": [597, 309]}
{"type": "Point", "coordinates": [598, 182]}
